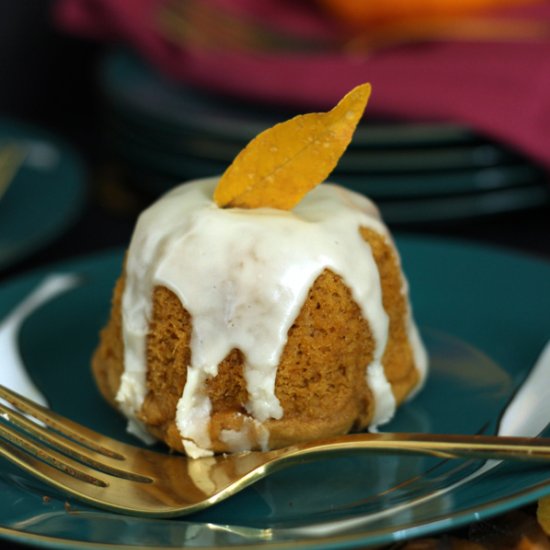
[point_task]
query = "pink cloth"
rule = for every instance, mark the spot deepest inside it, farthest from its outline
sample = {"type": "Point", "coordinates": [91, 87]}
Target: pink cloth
{"type": "Point", "coordinates": [500, 89]}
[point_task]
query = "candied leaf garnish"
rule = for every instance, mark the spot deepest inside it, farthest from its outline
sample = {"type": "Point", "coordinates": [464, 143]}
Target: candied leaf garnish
{"type": "Point", "coordinates": [280, 165]}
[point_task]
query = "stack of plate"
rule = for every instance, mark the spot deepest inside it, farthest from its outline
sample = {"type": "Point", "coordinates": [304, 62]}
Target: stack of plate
{"type": "Point", "coordinates": [164, 133]}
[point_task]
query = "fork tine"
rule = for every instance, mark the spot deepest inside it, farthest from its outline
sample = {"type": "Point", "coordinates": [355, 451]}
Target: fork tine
{"type": "Point", "coordinates": [29, 455]}
{"type": "Point", "coordinates": [83, 483]}
{"type": "Point", "coordinates": [68, 447]}
{"type": "Point", "coordinates": [64, 426]}
{"type": "Point", "coordinates": [76, 483]}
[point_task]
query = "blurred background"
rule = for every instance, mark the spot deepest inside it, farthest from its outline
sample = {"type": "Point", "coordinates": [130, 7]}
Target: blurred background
{"type": "Point", "coordinates": [106, 104]}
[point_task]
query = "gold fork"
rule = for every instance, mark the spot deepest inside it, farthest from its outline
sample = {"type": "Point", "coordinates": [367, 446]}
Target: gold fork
{"type": "Point", "coordinates": [113, 475]}
{"type": "Point", "coordinates": [11, 158]}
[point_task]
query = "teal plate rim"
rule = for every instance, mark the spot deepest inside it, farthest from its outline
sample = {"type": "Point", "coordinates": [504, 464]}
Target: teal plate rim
{"type": "Point", "coordinates": [46, 196]}
{"type": "Point", "coordinates": [512, 341]}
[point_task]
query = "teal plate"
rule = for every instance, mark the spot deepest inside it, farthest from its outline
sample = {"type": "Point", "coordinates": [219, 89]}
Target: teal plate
{"type": "Point", "coordinates": [464, 207]}
{"type": "Point", "coordinates": [436, 198]}
{"type": "Point", "coordinates": [45, 196]}
{"type": "Point", "coordinates": [135, 89]}
{"type": "Point", "coordinates": [380, 186]}
{"type": "Point", "coordinates": [485, 315]}
{"type": "Point", "coordinates": [139, 140]}
{"type": "Point", "coordinates": [443, 183]}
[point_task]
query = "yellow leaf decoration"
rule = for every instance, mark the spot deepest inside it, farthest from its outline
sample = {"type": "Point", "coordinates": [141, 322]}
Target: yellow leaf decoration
{"type": "Point", "coordinates": [280, 165]}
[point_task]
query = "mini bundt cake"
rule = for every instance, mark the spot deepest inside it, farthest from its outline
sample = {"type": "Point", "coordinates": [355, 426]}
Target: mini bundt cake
{"type": "Point", "coordinates": [234, 329]}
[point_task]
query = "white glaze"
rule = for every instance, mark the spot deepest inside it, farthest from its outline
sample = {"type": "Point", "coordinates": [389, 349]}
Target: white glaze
{"type": "Point", "coordinates": [243, 276]}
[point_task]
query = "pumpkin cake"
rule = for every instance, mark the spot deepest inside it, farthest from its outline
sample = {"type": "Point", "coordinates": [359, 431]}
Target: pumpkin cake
{"type": "Point", "coordinates": [236, 328]}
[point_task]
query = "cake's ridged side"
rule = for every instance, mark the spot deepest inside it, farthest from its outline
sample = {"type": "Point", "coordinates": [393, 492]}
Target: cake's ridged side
{"type": "Point", "coordinates": [398, 358]}
{"type": "Point", "coordinates": [321, 382]}
{"type": "Point", "coordinates": [167, 354]}
{"type": "Point", "coordinates": [108, 358]}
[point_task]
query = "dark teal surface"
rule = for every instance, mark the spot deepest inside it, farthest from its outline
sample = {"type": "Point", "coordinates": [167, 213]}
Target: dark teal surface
{"type": "Point", "coordinates": [485, 315]}
{"type": "Point", "coordinates": [45, 196]}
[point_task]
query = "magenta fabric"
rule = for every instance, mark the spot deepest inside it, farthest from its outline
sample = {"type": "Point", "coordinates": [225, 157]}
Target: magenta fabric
{"type": "Point", "coordinates": [500, 89]}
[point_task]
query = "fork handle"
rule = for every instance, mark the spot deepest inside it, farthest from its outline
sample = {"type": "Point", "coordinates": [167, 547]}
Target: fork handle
{"type": "Point", "coordinates": [442, 446]}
